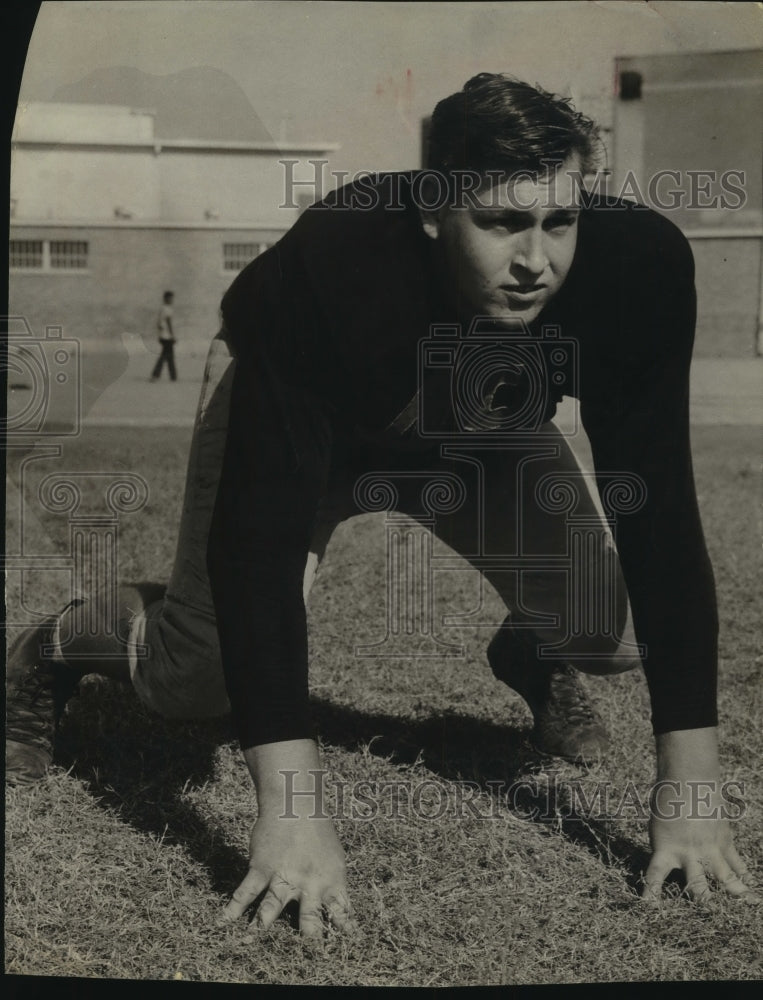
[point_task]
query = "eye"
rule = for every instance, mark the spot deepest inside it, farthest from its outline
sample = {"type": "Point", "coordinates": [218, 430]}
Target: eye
{"type": "Point", "coordinates": [499, 224]}
{"type": "Point", "coordinates": [561, 225]}
{"type": "Point", "coordinates": [488, 222]}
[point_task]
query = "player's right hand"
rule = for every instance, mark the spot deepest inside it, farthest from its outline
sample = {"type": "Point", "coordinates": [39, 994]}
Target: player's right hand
{"type": "Point", "coordinates": [294, 859]}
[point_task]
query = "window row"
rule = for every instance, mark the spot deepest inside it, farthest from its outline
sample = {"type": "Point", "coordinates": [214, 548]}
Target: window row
{"type": "Point", "coordinates": [73, 255]}
{"type": "Point", "coordinates": [237, 255]}
{"type": "Point", "coordinates": [49, 255]}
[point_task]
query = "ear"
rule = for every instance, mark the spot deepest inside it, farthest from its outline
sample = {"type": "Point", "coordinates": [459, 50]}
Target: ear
{"type": "Point", "coordinates": [431, 204]}
{"type": "Point", "coordinates": [430, 222]}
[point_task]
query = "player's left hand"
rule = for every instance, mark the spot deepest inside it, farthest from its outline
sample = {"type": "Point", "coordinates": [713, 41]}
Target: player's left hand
{"type": "Point", "coordinates": [689, 825]}
{"type": "Point", "coordinates": [702, 848]}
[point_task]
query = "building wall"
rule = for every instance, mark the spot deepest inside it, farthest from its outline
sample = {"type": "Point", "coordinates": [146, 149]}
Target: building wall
{"type": "Point", "coordinates": [121, 290]}
{"type": "Point", "coordinates": [53, 121]}
{"type": "Point", "coordinates": [58, 182]}
{"type": "Point", "coordinates": [236, 187]}
{"type": "Point", "coordinates": [728, 279]}
{"type": "Point", "coordinates": [89, 184]}
{"type": "Point", "coordinates": [84, 163]}
{"type": "Point", "coordinates": [688, 112]}
{"type": "Point", "coordinates": [702, 112]}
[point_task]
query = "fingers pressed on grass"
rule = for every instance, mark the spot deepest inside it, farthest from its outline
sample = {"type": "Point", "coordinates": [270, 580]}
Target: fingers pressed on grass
{"type": "Point", "coordinates": [696, 882]}
{"type": "Point", "coordinates": [280, 893]}
{"type": "Point", "coordinates": [728, 879]}
{"type": "Point", "coordinates": [659, 868]}
{"type": "Point", "coordinates": [251, 887]}
{"type": "Point", "coordinates": [737, 865]}
{"type": "Point", "coordinates": [339, 911]}
{"type": "Point", "coordinates": [310, 915]}
{"type": "Point", "coordinates": [736, 884]}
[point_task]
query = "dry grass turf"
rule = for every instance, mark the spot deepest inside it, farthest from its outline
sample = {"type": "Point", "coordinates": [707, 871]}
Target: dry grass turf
{"type": "Point", "coordinates": [119, 861]}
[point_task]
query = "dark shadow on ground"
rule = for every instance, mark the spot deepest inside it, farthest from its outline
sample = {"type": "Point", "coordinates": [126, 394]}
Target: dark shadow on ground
{"type": "Point", "coordinates": [497, 758]}
{"type": "Point", "coordinates": [139, 765]}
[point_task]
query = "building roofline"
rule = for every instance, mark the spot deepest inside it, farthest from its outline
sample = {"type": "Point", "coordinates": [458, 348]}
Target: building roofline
{"type": "Point", "coordinates": [179, 145]}
{"type": "Point", "coordinates": [214, 225]}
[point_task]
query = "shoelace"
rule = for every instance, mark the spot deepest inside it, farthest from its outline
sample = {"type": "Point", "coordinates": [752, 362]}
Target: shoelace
{"type": "Point", "coordinates": [31, 706]}
{"type": "Point", "coordinates": [35, 703]}
{"type": "Point", "coordinates": [568, 696]}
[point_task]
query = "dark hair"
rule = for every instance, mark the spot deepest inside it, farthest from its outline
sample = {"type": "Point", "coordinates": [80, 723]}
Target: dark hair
{"type": "Point", "coordinates": [499, 123]}
{"type": "Point", "coordinates": [168, 295]}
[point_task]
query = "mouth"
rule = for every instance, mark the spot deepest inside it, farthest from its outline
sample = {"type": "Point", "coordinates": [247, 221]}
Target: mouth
{"type": "Point", "coordinates": [523, 293]}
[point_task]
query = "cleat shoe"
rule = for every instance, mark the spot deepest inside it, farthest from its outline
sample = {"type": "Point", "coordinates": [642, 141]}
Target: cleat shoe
{"type": "Point", "coordinates": [566, 725]}
{"type": "Point", "coordinates": [37, 690]}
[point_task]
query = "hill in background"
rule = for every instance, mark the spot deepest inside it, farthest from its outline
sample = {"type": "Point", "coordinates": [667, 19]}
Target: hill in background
{"type": "Point", "coordinates": [197, 103]}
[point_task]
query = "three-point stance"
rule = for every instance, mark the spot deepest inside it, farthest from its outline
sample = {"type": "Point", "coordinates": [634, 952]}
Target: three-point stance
{"type": "Point", "coordinates": [315, 382]}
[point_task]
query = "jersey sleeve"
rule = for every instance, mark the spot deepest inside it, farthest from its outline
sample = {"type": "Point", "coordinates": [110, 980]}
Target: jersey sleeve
{"type": "Point", "coordinates": [274, 472]}
{"type": "Point", "coordinates": [640, 425]}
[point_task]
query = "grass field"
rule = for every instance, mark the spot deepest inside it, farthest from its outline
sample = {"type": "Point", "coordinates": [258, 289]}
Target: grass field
{"type": "Point", "coordinates": [119, 861]}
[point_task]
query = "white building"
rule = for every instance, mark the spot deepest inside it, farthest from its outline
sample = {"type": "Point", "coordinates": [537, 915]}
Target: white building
{"type": "Point", "coordinates": [105, 217]}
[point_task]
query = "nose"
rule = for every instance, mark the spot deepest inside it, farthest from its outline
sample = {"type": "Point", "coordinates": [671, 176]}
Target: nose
{"type": "Point", "coordinates": [531, 253]}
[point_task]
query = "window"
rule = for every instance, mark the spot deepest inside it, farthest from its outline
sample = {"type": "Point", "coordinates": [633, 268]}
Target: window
{"type": "Point", "coordinates": [26, 254]}
{"type": "Point", "coordinates": [237, 255]}
{"type": "Point", "coordinates": [49, 255]}
{"type": "Point", "coordinates": [68, 255]}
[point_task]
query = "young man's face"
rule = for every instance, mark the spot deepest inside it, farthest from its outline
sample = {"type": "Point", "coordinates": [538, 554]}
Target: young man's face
{"type": "Point", "coordinates": [509, 248]}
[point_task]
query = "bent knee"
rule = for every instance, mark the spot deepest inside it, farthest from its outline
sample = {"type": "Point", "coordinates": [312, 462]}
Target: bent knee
{"type": "Point", "coordinates": [178, 672]}
{"type": "Point", "coordinates": [617, 659]}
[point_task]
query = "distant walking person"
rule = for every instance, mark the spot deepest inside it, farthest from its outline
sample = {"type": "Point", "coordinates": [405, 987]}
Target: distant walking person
{"type": "Point", "coordinates": [166, 339]}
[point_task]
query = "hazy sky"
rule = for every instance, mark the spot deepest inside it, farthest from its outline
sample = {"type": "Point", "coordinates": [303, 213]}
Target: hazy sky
{"type": "Point", "coordinates": [364, 74]}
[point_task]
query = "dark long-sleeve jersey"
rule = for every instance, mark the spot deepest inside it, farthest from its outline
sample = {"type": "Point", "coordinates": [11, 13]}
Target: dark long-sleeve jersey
{"type": "Point", "coordinates": [325, 327]}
